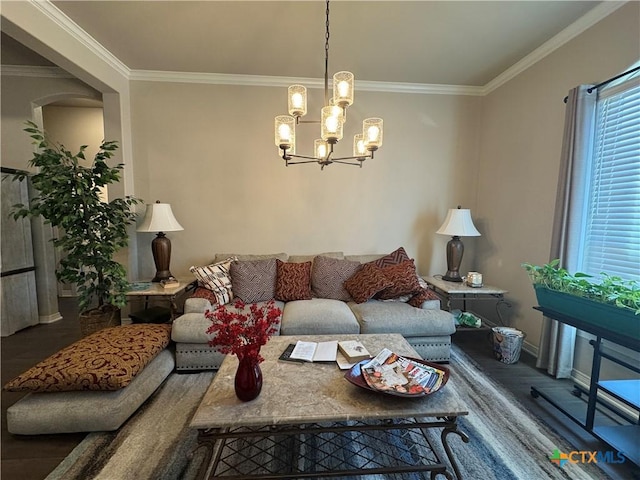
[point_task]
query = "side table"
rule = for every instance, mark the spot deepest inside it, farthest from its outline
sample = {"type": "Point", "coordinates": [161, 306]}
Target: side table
{"type": "Point", "coordinates": [450, 292]}
{"type": "Point", "coordinates": [147, 290]}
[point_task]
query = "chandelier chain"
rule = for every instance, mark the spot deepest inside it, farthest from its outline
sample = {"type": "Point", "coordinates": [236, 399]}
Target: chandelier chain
{"type": "Point", "coordinates": [332, 119]}
{"type": "Point", "coordinates": [326, 58]}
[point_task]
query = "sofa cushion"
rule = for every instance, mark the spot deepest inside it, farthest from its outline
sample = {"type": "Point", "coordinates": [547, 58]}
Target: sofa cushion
{"type": "Point", "coordinates": [397, 256]}
{"type": "Point", "coordinates": [192, 327]}
{"type": "Point", "coordinates": [293, 281]}
{"type": "Point", "coordinates": [254, 280]}
{"type": "Point", "coordinates": [328, 276]}
{"type": "Point", "coordinates": [404, 278]}
{"type": "Point", "coordinates": [376, 316]}
{"type": "Point", "coordinates": [242, 257]}
{"type": "Point", "coordinates": [366, 282]}
{"type": "Point", "coordinates": [364, 258]}
{"type": "Point", "coordinates": [106, 360]}
{"type": "Point", "coordinates": [216, 277]}
{"type": "Point", "coordinates": [318, 316]}
{"type": "Point", "coordinates": [310, 258]}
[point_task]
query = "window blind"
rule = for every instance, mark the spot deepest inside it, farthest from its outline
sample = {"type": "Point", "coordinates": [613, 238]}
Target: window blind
{"type": "Point", "coordinates": [612, 229]}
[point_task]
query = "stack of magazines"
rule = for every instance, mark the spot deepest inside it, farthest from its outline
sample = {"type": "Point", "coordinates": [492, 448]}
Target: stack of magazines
{"type": "Point", "coordinates": [391, 373]}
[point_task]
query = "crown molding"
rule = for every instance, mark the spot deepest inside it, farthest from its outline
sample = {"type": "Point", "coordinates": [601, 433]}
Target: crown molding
{"type": "Point", "coordinates": [59, 18]}
{"type": "Point", "coordinates": [586, 21]}
{"type": "Point", "coordinates": [269, 81]}
{"type": "Point", "coordinates": [589, 19]}
{"type": "Point", "coordinates": [34, 71]}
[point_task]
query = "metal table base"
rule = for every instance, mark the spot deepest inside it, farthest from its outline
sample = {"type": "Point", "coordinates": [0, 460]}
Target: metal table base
{"type": "Point", "coordinates": [338, 449]}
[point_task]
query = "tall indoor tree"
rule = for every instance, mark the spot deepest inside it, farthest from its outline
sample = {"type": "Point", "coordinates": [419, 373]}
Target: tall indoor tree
{"type": "Point", "coordinates": [89, 230]}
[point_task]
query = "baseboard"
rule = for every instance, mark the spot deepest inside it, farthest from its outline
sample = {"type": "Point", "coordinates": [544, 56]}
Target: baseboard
{"type": "Point", "coordinates": [584, 381]}
{"type": "Point", "coordinates": [45, 319]}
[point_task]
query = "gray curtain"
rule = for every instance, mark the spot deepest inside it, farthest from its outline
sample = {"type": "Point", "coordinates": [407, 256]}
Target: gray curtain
{"type": "Point", "coordinates": [557, 340]}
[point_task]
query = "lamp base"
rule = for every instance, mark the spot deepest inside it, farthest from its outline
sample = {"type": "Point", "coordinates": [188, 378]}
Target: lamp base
{"type": "Point", "coordinates": [161, 248]}
{"type": "Point", "coordinates": [452, 277]}
{"type": "Point", "coordinates": [455, 250]}
{"type": "Point", "coordinates": [160, 276]}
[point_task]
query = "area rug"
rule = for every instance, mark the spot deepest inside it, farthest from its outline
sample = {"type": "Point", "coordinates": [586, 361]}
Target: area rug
{"type": "Point", "coordinates": [505, 441]}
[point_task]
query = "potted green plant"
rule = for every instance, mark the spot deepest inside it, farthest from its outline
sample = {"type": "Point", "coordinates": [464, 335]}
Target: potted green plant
{"type": "Point", "coordinates": [90, 231]}
{"type": "Point", "coordinates": [610, 302]}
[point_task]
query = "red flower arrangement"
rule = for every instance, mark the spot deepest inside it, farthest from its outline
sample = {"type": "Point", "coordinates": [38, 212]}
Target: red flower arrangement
{"type": "Point", "coordinates": [243, 329]}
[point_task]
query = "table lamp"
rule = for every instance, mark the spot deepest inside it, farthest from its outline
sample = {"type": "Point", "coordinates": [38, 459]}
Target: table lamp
{"type": "Point", "coordinates": [159, 218]}
{"type": "Point", "coordinates": [457, 224]}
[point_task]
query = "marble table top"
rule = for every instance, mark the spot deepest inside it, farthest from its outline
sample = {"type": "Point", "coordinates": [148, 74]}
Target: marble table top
{"type": "Point", "coordinates": [461, 288]}
{"type": "Point", "coordinates": [300, 393]}
{"type": "Point", "coordinates": [150, 289]}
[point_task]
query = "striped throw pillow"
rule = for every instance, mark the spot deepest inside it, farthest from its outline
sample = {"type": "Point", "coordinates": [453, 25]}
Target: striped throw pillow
{"type": "Point", "coordinates": [217, 278]}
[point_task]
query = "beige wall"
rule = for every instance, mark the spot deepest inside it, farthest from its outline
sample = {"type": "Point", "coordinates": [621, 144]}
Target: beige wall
{"type": "Point", "coordinates": [521, 137]}
{"type": "Point", "coordinates": [74, 127]}
{"type": "Point", "coordinates": [20, 95]}
{"type": "Point", "coordinates": [208, 150]}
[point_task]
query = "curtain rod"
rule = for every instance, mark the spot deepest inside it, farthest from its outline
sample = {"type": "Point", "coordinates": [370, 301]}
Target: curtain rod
{"type": "Point", "coordinates": [602, 84]}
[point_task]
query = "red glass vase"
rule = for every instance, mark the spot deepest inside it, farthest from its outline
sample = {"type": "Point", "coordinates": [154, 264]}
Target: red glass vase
{"type": "Point", "coordinates": [248, 381]}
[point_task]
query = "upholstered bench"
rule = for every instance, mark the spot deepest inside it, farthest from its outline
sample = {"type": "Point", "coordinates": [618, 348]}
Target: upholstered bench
{"type": "Point", "coordinates": [95, 384]}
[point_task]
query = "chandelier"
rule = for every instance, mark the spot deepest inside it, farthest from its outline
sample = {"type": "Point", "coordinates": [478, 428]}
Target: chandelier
{"type": "Point", "coordinates": [332, 119]}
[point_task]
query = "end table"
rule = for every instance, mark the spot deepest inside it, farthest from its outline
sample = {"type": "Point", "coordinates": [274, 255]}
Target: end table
{"type": "Point", "coordinates": [146, 290]}
{"type": "Point", "coordinates": [449, 292]}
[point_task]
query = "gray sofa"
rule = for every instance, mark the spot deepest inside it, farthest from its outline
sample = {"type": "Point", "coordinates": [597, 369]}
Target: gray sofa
{"type": "Point", "coordinates": [427, 328]}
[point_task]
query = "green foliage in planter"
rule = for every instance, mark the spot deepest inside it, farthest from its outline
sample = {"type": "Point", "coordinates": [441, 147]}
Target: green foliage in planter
{"type": "Point", "coordinates": [90, 231]}
{"type": "Point", "coordinates": [611, 289]}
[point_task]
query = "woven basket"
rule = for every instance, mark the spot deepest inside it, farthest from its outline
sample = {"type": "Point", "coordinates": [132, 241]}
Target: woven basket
{"type": "Point", "coordinates": [97, 319]}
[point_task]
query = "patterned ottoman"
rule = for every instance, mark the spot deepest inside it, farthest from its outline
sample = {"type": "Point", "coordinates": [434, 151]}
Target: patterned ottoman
{"type": "Point", "coordinates": [95, 384]}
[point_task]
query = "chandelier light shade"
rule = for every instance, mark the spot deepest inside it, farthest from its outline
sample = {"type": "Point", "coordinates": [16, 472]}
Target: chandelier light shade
{"type": "Point", "coordinates": [331, 125]}
{"type": "Point", "coordinates": [457, 224]}
{"type": "Point", "coordinates": [159, 218]}
{"type": "Point", "coordinates": [343, 89]}
{"type": "Point", "coordinates": [297, 100]}
{"type": "Point", "coordinates": [372, 133]}
{"type": "Point", "coordinates": [320, 148]}
{"type": "Point", "coordinates": [359, 147]}
{"type": "Point", "coordinates": [333, 116]}
{"type": "Point", "coordinates": [338, 111]}
{"type": "Point", "coordinates": [285, 130]}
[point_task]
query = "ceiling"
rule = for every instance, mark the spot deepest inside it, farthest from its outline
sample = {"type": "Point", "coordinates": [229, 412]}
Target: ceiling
{"type": "Point", "coordinates": [425, 42]}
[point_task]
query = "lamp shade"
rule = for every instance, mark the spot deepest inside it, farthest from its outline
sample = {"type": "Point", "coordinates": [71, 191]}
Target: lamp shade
{"type": "Point", "coordinates": [372, 133]}
{"type": "Point", "coordinates": [343, 89]}
{"type": "Point", "coordinates": [159, 218]}
{"type": "Point", "coordinates": [458, 223]}
{"type": "Point", "coordinates": [330, 124]}
{"type": "Point", "coordinates": [285, 132]}
{"type": "Point", "coordinates": [297, 95]}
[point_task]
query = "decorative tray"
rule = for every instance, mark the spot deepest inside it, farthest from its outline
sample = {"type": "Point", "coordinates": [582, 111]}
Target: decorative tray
{"type": "Point", "coordinates": [400, 376]}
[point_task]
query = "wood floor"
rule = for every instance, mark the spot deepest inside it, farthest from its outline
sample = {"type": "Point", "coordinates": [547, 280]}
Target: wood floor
{"type": "Point", "coordinates": [34, 457]}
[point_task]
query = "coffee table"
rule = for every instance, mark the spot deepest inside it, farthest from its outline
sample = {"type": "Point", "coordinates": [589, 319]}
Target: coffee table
{"type": "Point", "coordinates": [309, 408]}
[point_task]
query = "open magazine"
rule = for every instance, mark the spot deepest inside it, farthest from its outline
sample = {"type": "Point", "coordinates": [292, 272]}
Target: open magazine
{"type": "Point", "coordinates": [389, 372]}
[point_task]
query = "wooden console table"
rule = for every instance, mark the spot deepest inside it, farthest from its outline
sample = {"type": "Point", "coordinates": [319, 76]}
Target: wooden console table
{"type": "Point", "coordinates": [623, 438]}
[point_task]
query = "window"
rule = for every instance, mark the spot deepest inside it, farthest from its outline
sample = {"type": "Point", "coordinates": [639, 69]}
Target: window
{"type": "Point", "coordinates": [611, 237]}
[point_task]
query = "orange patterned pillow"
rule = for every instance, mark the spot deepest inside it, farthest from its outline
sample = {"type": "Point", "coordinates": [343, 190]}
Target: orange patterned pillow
{"type": "Point", "coordinates": [106, 360]}
{"type": "Point", "coordinates": [366, 282]}
{"type": "Point", "coordinates": [404, 278]}
{"type": "Point", "coordinates": [293, 281]}
{"type": "Point", "coordinates": [422, 296]}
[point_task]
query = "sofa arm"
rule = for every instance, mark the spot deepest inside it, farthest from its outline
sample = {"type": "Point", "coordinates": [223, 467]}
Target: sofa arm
{"type": "Point", "coordinates": [431, 305]}
{"type": "Point", "coordinates": [196, 305]}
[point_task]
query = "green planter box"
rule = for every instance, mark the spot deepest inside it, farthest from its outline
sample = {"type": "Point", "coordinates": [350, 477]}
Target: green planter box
{"type": "Point", "coordinates": [618, 320]}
